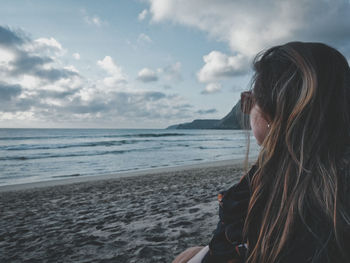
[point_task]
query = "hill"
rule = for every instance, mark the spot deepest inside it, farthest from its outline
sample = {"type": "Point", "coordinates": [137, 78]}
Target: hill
{"type": "Point", "coordinates": [232, 121]}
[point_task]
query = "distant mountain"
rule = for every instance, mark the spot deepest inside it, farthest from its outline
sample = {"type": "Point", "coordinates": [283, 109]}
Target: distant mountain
{"type": "Point", "coordinates": [197, 124]}
{"type": "Point", "coordinates": [232, 121]}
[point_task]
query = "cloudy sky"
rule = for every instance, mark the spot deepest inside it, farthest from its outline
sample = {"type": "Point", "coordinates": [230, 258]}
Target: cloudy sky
{"type": "Point", "coordinates": [144, 63]}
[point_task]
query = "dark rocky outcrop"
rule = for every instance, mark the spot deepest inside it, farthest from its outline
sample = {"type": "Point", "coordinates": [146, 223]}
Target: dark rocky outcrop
{"type": "Point", "coordinates": [198, 124]}
{"type": "Point", "coordinates": [233, 120]}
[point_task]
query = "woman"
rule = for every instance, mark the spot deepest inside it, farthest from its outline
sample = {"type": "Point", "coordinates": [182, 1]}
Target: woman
{"type": "Point", "coordinates": [294, 204]}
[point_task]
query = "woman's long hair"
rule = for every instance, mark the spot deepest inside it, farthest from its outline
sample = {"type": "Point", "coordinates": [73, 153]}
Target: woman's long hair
{"type": "Point", "coordinates": [304, 90]}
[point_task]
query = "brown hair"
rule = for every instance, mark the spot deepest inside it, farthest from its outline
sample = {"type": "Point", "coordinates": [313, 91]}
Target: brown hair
{"type": "Point", "coordinates": [304, 89]}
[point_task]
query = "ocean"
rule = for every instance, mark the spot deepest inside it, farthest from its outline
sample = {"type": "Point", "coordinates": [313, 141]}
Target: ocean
{"type": "Point", "coordinates": [33, 155]}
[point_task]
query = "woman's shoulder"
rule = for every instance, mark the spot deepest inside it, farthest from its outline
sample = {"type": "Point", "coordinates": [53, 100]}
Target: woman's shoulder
{"type": "Point", "coordinates": [242, 188]}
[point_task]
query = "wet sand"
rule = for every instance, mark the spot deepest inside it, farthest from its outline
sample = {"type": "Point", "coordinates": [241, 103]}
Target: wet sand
{"type": "Point", "coordinates": [148, 216]}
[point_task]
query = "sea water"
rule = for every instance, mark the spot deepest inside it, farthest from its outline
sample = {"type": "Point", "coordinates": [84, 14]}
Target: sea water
{"type": "Point", "coordinates": [32, 155]}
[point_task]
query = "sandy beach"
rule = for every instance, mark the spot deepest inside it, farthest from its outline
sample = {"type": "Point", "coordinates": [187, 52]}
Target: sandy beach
{"type": "Point", "coordinates": [145, 216]}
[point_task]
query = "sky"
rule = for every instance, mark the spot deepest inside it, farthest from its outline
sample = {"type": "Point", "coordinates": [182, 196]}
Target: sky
{"type": "Point", "coordinates": [144, 63]}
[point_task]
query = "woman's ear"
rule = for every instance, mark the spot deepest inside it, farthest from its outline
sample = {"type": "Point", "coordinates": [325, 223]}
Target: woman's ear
{"type": "Point", "coordinates": [259, 124]}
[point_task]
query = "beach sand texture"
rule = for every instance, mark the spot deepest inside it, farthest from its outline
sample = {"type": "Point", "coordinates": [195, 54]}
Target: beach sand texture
{"type": "Point", "coordinates": [150, 217]}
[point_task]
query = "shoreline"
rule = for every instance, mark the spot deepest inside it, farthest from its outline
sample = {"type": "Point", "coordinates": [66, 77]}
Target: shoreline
{"type": "Point", "coordinates": [151, 216]}
{"type": "Point", "coordinates": [116, 176]}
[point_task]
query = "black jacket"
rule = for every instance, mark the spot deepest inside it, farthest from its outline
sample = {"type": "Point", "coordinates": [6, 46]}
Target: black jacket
{"type": "Point", "coordinates": [227, 242]}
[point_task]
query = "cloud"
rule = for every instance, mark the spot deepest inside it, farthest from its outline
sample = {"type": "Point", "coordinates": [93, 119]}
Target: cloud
{"type": "Point", "coordinates": [26, 64]}
{"type": "Point", "coordinates": [147, 75]}
{"type": "Point", "coordinates": [133, 106]}
{"type": "Point", "coordinates": [37, 87]}
{"type": "Point", "coordinates": [166, 86]}
{"type": "Point", "coordinates": [210, 111]}
{"type": "Point", "coordinates": [54, 74]}
{"type": "Point", "coordinates": [70, 106]}
{"type": "Point", "coordinates": [249, 26]}
{"type": "Point", "coordinates": [6, 57]}
{"type": "Point", "coordinates": [143, 38]}
{"type": "Point", "coordinates": [143, 14]}
{"type": "Point", "coordinates": [168, 73]}
{"type": "Point", "coordinates": [29, 68]}
{"type": "Point", "coordinates": [76, 56]}
{"type": "Point", "coordinates": [36, 58]}
{"type": "Point", "coordinates": [94, 20]}
{"type": "Point", "coordinates": [212, 88]}
{"type": "Point", "coordinates": [49, 45]}
{"type": "Point", "coordinates": [9, 38]}
{"type": "Point", "coordinates": [172, 72]}
{"type": "Point", "coordinates": [218, 65]}
{"type": "Point", "coordinates": [154, 95]}
{"type": "Point", "coordinates": [101, 106]}
{"type": "Point", "coordinates": [9, 91]}
{"type": "Point", "coordinates": [109, 65]}
{"type": "Point", "coordinates": [64, 94]}
{"type": "Point", "coordinates": [49, 42]}
{"type": "Point", "coordinates": [116, 73]}
{"type": "Point", "coordinates": [38, 66]}
{"type": "Point", "coordinates": [236, 88]}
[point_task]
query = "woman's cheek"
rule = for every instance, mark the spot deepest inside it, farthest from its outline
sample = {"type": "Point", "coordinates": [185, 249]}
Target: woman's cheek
{"type": "Point", "coordinates": [259, 125]}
